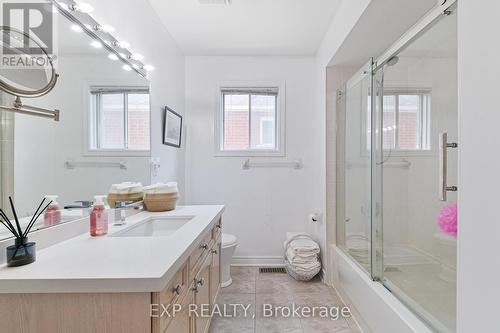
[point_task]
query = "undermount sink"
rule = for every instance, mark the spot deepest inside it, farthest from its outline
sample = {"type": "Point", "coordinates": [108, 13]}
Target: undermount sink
{"type": "Point", "coordinates": [155, 227]}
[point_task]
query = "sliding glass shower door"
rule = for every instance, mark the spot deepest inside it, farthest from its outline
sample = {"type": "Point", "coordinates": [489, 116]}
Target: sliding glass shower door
{"type": "Point", "coordinates": [418, 165]}
{"type": "Point", "coordinates": [397, 147]}
{"type": "Point", "coordinates": [354, 168]}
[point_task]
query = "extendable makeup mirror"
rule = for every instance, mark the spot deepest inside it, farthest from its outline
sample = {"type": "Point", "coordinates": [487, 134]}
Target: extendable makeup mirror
{"type": "Point", "coordinates": [26, 70]}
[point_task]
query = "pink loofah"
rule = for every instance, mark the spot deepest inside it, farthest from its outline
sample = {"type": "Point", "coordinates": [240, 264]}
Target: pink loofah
{"type": "Point", "coordinates": [447, 219]}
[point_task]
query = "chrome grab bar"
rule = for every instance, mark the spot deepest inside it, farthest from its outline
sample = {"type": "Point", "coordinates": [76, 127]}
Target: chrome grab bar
{"type": "Point", "coordinates": [443, 166]}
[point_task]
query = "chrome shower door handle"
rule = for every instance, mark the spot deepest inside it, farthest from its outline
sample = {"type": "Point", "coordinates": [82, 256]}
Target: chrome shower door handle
{"type": "Point", "coordinates": [443, 166]}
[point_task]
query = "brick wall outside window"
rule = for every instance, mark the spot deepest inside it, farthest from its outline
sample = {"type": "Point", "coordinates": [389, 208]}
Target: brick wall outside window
{"type": "Point", "coordinates": [112, 124]}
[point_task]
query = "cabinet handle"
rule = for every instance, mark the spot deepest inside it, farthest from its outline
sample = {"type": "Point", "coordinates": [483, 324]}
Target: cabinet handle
{"type": "Point", "coordinates": [178, 290]}
{"type": "Point", "coordinates": [214, 251]}
{"type": "Point", "coordinates": [204, 246]}
{"type": "Point", "coordinates": [195, 289]}
{"type": "Point", "coordinates": [200, 282]}
{"type": "Point", "coordinates": [218, 226]}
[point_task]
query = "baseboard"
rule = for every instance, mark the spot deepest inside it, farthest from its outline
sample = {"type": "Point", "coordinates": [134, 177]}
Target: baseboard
{"type": "Point", "coordinates": [322, 275]}
{"type": "Point", "coordinates": [264, 261]}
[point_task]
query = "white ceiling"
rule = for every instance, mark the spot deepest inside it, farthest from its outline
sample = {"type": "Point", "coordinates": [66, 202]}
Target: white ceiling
{"type": "Point", "coordinates": [247, 27]}
{"type": "Point", "coordinates": [380, 25]}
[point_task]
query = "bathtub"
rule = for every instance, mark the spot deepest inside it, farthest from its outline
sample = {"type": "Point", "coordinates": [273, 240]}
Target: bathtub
{"type": "Point", "coordinates": [374, 307]}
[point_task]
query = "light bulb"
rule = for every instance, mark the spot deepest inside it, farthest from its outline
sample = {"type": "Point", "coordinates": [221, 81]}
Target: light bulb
{"type": "Point", "coordinates": [127, 68]}
{"type": "Point", "coordinates": [96, 44]}
{"type": "Point", "coordinates": [112, 56]}
{"type": "Point", "coordinates": [149, 68]}
{"type": "Point", "coordinates": [76, 28]}
{"type": "Point", "coordinates": [137, 56]}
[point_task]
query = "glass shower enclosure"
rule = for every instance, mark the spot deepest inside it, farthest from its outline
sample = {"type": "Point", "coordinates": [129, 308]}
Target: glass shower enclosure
{"type": "Point", "coordinates": [397, 171]}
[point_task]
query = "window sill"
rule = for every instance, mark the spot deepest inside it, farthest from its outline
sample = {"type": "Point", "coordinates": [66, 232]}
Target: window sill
{"type": "Point", "coordinates": [408, 153]}
{"type": "Point", "coordinates": [118, 153]}
{"type": "Point", "coordinates": [252, 153]}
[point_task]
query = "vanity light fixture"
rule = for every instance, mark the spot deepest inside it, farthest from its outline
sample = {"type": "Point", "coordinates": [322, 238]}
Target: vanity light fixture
{"type": "Point", "coordinates": [123, 44]}
{"type": "Point", "coordinates": [104, 28]}
{"type": "Point", "coordinates": [96, 44]}
{"type": "Point", "coordinates": [136, 56]}
{"type": "Point", "coordinates": [77, 12]}
{"type": "Point", "coordinates": [82, 7]}
{"type": "Point", "coordinates": [76, 28]}
{"type": "Point", "coordinates": [63, 6]}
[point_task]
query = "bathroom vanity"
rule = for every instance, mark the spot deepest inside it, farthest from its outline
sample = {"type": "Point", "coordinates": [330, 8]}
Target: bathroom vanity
{"type": "Point", "coordinates": [130, 280]}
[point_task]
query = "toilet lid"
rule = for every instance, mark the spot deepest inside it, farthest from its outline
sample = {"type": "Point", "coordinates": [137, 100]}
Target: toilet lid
{"type": "Point", "coordinates": [228, 240]}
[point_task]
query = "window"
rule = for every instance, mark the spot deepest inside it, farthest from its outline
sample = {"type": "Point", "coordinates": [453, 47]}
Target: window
{"type": "Point", "coordinates": [406, 120]}
{"type": "Point", "coordinates": [250, 122]}
{"type": "Point", "coordinates": [119, 119]}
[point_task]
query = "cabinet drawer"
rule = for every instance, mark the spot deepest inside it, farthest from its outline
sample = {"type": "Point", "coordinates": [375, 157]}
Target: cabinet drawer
{"type": "Point", "coordinates": [215, 270]}
{"type": "Point", "coordinates": [176, 290]}
{"type": "Point", "coordinates": [202, 294]}
{"type": "Point", "coordinates": [181, 323]}
{"type": "Point", "coordinates": [217, 230]}
{"type": "Point", "coordinates": [199, 252]}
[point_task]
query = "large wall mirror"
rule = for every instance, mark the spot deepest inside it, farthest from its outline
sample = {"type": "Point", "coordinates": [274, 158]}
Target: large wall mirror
{"type": "Point", "coordinates": [102, 137]}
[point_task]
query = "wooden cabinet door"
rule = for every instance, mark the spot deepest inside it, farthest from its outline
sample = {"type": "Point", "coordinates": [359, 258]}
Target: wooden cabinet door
{"type": "Point", "coordinates": [215, 270]}
{"type": "Point", "coordinates": [181, 323]}
{"type": "Point", "coordinates": [202, 295]}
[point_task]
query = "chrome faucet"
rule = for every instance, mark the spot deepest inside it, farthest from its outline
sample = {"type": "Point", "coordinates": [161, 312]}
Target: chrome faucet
{"type": "Point", "coordinates": [122, 206]}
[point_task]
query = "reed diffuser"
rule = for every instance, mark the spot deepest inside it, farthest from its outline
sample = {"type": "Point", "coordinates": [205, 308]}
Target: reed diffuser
{"type": "Point", "coordinates": [22, 252]}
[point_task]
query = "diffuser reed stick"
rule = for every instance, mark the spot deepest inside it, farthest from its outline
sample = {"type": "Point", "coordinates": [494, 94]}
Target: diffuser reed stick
{"type": "Point", "coordinates": [22, 252]}
{"type": "Point", "coordinates": [20, 232]}
{"type": "Point", "coordinates": [16, 230]}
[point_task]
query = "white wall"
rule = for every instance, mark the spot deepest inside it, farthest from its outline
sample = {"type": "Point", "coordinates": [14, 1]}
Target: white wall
{"type": "Point", "coordinates": [347, 14]}
{"type": "Point", "coordinates": [136, 22]}
{"type": "Point", "coordinates": [479, 188]}
{"type": "Point", "coordinates": [262, 204]}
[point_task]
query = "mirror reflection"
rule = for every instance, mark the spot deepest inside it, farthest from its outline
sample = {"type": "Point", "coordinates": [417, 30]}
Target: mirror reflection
{"type": "Point", "coordinates": [104, 125]}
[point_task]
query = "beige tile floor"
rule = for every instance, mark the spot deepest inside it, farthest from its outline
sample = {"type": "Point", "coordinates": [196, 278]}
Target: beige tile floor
{"type": "Point", "coordinates": [254, 288]}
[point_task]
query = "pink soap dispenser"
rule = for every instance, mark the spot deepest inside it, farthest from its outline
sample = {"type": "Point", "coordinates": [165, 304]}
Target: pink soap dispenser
{"type": "Point", "coordinates": [52, 215]}
{"type": "Point", "coordinates": [99, 217]}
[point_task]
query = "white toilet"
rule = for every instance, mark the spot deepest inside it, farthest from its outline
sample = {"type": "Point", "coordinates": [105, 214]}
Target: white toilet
{"type": "Point", "coordinates": [229, 243]}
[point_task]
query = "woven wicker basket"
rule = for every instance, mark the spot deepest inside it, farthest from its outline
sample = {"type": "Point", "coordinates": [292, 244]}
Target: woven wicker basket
{"type": "Point", "coordinates": [160, 202]}
{"type": "Point", "coordinates": [300, 276]}
{"type": "Point", "coordinates": [129, 197]}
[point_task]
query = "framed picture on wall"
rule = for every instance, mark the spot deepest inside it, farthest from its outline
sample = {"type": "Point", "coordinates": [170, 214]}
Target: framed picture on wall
{"type": "Point", "coordinates": [172, 128]}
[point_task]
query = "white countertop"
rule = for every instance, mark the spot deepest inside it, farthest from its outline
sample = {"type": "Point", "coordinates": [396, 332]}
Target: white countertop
{"type": "Point", "coordinates": [112, 264]}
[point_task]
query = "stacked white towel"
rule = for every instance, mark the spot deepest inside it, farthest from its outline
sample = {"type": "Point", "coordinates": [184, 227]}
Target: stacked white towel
{"type": "Point", "coordinates": [302, 253]}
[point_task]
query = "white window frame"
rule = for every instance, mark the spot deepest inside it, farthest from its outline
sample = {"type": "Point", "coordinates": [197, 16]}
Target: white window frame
{"type": "Point", "coordinates": [428, 131]}
{"type": "Point", "coordinates": [88, 151]}
{"type": "Point", "coordinates": [425, 118]}
{"type": "Point", "coordinates": [280, 118]}
{"type": "Point", "coordinates": [261, 127]}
